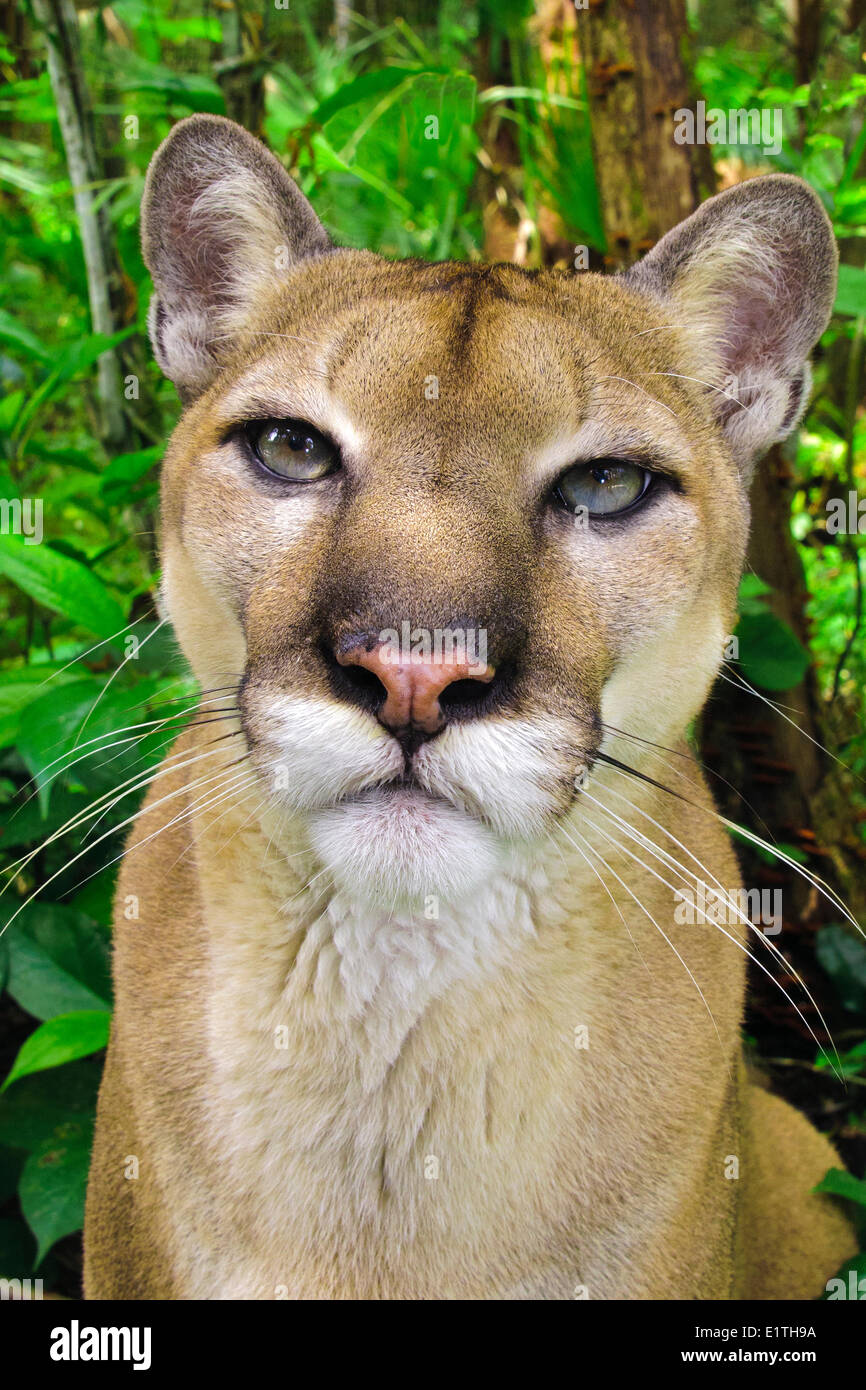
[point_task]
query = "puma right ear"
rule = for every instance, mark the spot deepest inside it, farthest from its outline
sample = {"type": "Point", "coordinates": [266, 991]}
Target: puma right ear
{"type": "Point", "coordinates": [751, 277]}
{"type": "Point", "coordinates": [221, 222]}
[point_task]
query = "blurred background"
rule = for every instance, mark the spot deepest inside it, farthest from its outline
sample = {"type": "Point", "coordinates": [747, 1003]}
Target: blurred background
{"type": "Point", "coordinates": [540, 133]}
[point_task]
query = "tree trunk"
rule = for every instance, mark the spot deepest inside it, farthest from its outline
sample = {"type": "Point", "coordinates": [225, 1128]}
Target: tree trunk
{"type": "Point", "coordinates": [636, 78]}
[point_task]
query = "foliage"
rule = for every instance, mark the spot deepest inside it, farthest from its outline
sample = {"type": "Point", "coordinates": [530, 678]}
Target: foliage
{"type": "Point", "coordinates": [92, 686]}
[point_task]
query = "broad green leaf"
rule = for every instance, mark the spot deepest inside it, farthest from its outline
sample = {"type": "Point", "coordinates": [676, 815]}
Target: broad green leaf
{"type": "Point", "coordinates": [327, 158]}
{"type": "Point", "coordinates": [11, 1163]}
{"type": "Point", "coordinates": [66, 719]}
{"type": "Point", "coordinates": [753, 591]}
{"type": "Point", "coordinates": [54, 1182]}
{"type": "Point", "coordinates": [753, 586]}
{"type": "Point", "coordinates": [86, 461]}
{"type": "Point", "coordinates": [843, 956]}
{"type": "Point", "coordinates": [190, 90]}
{"type": "Point", "coordinates": [62, 1039]}
{"type": "Point", "coordinates": [41, 986]}
{"type": "Point", "coordinates": [58, 961]}
{"type": "Point", "coordinates": [28, 823]}
{"type": "Point", "coordinates": [369, 84]}
{"type": "Point", "coordinates": [18, 689]}
{"type": "Point", "coordinates": [95, 900]}
{"type": "Point", "coordinates": [126, 469]}
{"type": "Point", "coordinates": [31, 1109]}
{"type": "Point", "coordinates": [61, 583]}
{"type": "Point", "coordinates": [11, 331]}
{"type": "Point", "coordinates": [27, 181]}
{"type": "Point", "coordinates": [769, 654]}
{"type": "Point", "coordinates": [841, 1184]}
{"type": "Point", "coordinates": [74, 940]}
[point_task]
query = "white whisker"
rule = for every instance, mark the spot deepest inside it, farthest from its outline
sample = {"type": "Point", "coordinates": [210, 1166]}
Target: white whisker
{"type": "Point", "coordinates": [663, 934]}
{"type": "Point", "coordinates": [717, 925]}
{"type": "Point", "coordinates": [116, 672]}
{"type": "Point", "coordinates": [729, 901]}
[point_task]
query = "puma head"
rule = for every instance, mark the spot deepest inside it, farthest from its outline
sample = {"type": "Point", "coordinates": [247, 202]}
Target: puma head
{"type": "Point", "coordinates": [448, 527]}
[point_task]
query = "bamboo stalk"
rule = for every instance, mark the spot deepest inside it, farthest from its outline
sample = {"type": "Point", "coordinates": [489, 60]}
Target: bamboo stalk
{"type": "Point", "coordinates": [58, 21]}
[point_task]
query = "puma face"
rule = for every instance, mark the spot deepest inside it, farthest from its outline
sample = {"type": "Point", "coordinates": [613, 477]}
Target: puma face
{"type": "Point", "coordinates": [450, 528]}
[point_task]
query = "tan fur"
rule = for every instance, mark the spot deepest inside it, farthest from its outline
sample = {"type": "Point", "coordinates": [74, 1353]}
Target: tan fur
{"type": "Point", "coordinates": [332, 1090]}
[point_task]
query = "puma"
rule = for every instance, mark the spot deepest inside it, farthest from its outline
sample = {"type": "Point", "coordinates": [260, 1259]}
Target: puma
{"type": "Point", "coordinates": [406, 1011]}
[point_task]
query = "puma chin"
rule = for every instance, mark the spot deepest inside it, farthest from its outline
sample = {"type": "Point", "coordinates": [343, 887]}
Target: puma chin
{"type": "Point", "coordinates": [394, 824]}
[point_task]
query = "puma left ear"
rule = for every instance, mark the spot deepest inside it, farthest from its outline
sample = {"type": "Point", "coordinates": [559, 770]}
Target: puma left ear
{"type": "Point", "coordinates": [751, 276]}
{"type": "Point", "coordinates": [221, 223]}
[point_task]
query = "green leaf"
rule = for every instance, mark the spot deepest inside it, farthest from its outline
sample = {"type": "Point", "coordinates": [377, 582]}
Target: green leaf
{"type": "Point", "coordinates": [18, 689]}
{"type": "Point", "coordinates": [190, 90]}
{"type": "Point", "coordinates": [851, 1063]}
{"type": "Point", "coordinates": [41, 986]}
{"type": "Point", "coordinates": [28, 182]}
{"type": "Point", "coordinates": [126, 469]}
{"type": "Point", "coordinates": [752, 593]}
{"type": "Point", "coordinates": [37, 1103]}
{"type": "Point", "coordinates": [10, 410]}
{"type": "Point", "coordinates": [60, 583]}
{"type": "Point", "coordinates": [369, 84]}
{"type": "Point", "coordinates": [60, 1040]}
{"type": "Point", "coordinates": [47, 740]}
{"type": "Point", "coordinates": [95, 900]}
{"type": "Point", "coordinates": [769, 653]}
{"type": "Point", "coordinates": [54, 1182]}
{"type": "Point", "coordinates": [851, 291]}
{"type": "Point", "coordinates": [29, 824]}
{"type": "Point", "coordinates": [11, 1164]}
{"type": "Point", "coordinates": [838, 1183]}
{"type": "Point", "coordinates": [77, 357]}
{"type": "Point", "coordinates": [327, 158]}
{"type": "Point", "coordinates": [11, 331]}
{"type": "Point", "coordinates": [843, 956]}
{"type": "Point", "coordinates": [58, 961]}
{"type": "Point", "coordinates": [535, 94]}
{"type": "Point", "coordinates": [75, 941]}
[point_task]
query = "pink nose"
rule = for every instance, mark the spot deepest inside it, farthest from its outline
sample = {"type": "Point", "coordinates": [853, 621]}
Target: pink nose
{"type": "Point", "coordinates": [412, 688]}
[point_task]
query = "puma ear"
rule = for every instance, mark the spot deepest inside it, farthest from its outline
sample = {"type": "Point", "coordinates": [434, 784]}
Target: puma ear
{"type": "Point", "coordinates": [751, 276]}
{"type": "Point", "coordinates": [221, 222]}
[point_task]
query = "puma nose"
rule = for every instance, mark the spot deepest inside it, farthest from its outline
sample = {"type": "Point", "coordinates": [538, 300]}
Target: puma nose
{"type": "Point", "coordinates": [412, 685]}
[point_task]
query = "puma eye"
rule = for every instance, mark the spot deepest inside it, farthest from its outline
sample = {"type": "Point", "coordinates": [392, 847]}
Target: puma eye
{"type": "Point", "coordinates": [604, 486]}
{"type": "Point", "coordinates": [292, 450]}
